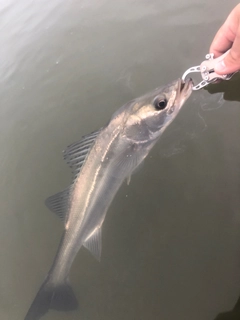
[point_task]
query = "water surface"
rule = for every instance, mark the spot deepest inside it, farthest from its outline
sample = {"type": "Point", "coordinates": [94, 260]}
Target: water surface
{"type": "Point", "coordinates": [171, 239]}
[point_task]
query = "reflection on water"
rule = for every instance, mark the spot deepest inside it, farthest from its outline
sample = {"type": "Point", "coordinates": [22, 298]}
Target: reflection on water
{"type": "Point", "coordinates": [171, 238]}
{"type": "Point", "coordinates": [234, 314]}
{"type": "Point", "coordinates": [230, 89]}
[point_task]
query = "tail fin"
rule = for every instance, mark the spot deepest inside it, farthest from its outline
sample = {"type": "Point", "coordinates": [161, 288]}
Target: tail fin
{"type": "Point", "coordinates": [60, 297]}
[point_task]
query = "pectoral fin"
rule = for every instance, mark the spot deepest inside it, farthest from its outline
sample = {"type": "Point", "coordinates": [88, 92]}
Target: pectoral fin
{"type": "Point", "coordinates": [135, 170]}
{"type": "Point", "coordinates": [94, 243]}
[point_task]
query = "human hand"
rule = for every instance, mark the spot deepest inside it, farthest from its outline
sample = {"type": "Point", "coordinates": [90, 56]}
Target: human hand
{"type": "Point", "coordinates": [228, 37]}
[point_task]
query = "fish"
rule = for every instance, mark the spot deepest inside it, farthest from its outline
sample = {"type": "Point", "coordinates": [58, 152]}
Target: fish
{"type": "Point", "coordinates": [100, 162]}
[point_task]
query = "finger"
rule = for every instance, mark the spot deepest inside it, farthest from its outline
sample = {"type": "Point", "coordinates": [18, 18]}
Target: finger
{"type": "Point", "coordinates": [222, 41]}
{"type": "Point", "coordinates": [226, 34]}
{"type": "Point", "coordinates": [231, 62]}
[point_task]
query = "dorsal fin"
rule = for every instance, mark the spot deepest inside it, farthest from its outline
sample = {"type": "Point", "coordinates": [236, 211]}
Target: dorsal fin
{"type": "Point", "coordinates": [59, 202]}
{"type": "Point", "coordinates": [75, 155]}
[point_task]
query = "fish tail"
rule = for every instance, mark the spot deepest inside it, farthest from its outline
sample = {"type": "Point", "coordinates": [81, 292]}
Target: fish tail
{"type": "Point", "coordinates": [52, 296]}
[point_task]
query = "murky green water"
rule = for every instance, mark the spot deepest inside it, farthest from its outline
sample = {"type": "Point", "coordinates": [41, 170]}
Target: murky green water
{"type": "Point", "coordinates": [171, 239]}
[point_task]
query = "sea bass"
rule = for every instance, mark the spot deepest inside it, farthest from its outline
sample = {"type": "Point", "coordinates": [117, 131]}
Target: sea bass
{"type": "Point", "coordinates": [100, 162]}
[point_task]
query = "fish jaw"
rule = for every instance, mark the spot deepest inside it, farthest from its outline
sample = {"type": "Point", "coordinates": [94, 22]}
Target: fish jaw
{"type": "Point", "coordinates": [184, 91]}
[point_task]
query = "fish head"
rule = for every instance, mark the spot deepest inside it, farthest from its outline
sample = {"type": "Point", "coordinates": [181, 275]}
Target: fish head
{"type": "Point", "coordinates": [150, 114]}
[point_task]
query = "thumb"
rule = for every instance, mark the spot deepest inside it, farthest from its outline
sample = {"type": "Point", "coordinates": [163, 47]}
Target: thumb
{"type": "Point", "coordinates": [229, 63]}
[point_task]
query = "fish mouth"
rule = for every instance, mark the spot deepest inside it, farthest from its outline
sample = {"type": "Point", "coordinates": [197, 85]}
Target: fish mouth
{"type": "Point", "coordinates": [184, 91]}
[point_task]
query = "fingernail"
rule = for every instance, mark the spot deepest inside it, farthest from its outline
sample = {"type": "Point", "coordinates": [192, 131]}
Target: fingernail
{"type": "Point", "coordinates": [220, 66]}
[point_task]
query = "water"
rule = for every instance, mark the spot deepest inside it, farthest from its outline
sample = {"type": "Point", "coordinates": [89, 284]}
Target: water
{"type": "Point", "coordinates": [171, 239]}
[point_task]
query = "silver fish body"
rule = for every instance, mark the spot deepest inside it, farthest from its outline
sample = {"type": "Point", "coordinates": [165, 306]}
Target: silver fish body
{"type": "Point", "coordinates": [101, 162]}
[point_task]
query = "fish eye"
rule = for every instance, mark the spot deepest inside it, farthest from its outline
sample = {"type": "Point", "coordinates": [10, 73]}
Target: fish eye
{"type": "Point", "coordinates": [160, 104]}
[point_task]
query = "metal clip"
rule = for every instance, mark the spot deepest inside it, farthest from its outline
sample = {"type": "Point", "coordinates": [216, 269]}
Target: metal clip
{"type": "Point", "coordinates": [206, 69]}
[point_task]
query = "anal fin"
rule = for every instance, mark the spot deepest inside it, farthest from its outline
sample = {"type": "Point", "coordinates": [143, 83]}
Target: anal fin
{"type": "Point", "coordinates": [94, 243]}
